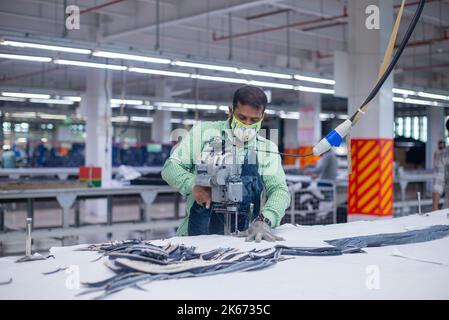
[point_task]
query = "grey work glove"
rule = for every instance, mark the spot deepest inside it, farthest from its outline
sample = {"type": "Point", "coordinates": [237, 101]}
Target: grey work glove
{"type": "Point", "coordinates": [257, 231]}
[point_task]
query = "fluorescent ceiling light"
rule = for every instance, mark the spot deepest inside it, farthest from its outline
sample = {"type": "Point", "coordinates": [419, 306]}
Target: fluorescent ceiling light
{"type": "Point", "coordinates": [52, 101]}
{"type": "Point", "coordinates": [270, 111]}
{"type": "Point", "coordinates": [416, 101]}
{"type": "Point", "coordinates": [25, 58]}
{"type": "Point", "coordinates": [160, 72]}
{"type": "Point", "coordinates": [72, 98]}
{"type": "Point", "coordinates": [52, 116]}
{"type": "Point", "coordinates": [224, 108]}
{"type": "Point", "coordinates": [130, 102]}
{"type": "Point", "coordinates": [119, 119]}
{"type": "Point", "coordinates": [290, 115]}
{"type": "Point", "coordinates": [398, 99]}
{"type": "Point", "coordinates": [23, 115]}
{"type": "Point", "coordinates": [12, 99]}
{"type": "Point", "coordinates": [189, 122]}
{"type": "Point", "coordinates": [168, 104]}
{"type": "Point", "coordinates": [204, 66]}
{"type": "Point", "coordinates": [317, 90]}
{"type": "Point", "coordinates": [206, 106]}
{"type": "Point", "coordinates": [175, 120]}
{"type": "Point", "coordinates": [90, 64]}
{"type": "Point", "coordinates": [264, 73]}
{"type": "Point", "coordinates": [422, 102]}
{"type": "Point", "coordinates": [432, 96]}
{"type": "Point", "coordinates": [271, 84]}
{"type": "Point", "coordinates": [124, 56]}
{"type": "Point", "coordinates": [142, 119]}
{"type": "Point", "coordinates": [25, 95]}
{"type": "Point", "coordinates": [174, 109]}
{"type": "Point", "coordinates": [220, 79]}
{"type": "Point", "coordinates": [314, 79]}
{"type": "Point", "coordinates": [404, 91]}
{"type": "Point", "coordinates": [199, 106]}
{"type": "Point", "coordinates": [144, 107]}
{"type": "Point", "coordinates": [326, 116]}
{"type": "Point", "coordinates": [43, 47]}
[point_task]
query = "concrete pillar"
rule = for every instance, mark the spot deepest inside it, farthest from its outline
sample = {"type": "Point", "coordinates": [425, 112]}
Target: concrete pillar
{"type": "Point", "coordinates": [309, 122]}
{"type": "Point", "coordinates": [161, 126]}
{"type": "Point", "coordinates": [96, 106]}
{"type": "Point", "coordinates": [309, 125]}
{"type": "Point", "coordinates": [291, 140]}
{"type": "Point", "coordinates": [98, 122]}
{"type": "Point", "coordinates": [2, 118]}
{"type": "Point", "coordinates": [435, 132]}
{"type": "Point", "coordinates": [371, 183]}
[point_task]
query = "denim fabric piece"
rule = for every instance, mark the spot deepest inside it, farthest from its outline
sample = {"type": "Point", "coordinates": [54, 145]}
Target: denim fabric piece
{"type": "Point", "coordinates": [388, 239]}
{"type": "Point", "coordinates": [303, 251]}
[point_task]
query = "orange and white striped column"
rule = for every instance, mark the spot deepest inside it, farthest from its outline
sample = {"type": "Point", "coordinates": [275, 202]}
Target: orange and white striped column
{"type": "Point", "coordinates": [371, 182]}
{"type": "Point", "coordinates": [370, 188]}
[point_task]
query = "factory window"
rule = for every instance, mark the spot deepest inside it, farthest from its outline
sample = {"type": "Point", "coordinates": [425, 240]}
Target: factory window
{"type": "Point", "coordinates": [21, 127]}
{"type": "Point", "coordinates": [416, 128]}
{"type": "Point", "coordinates": [400, 127]}
{"type": "Point", "coordinates": [6, 127]}
{"type": "Point", "coordinates": [77, 128]}
{"type": "Point", "coordinates": [408, 127]}
{"type": "Point", "coordinates": [411, 127]}
{"type": "Point", "coordinates": [424, 129]}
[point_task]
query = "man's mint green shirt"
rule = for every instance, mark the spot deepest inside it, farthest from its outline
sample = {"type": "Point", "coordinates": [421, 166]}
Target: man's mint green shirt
{"type": "Point", "coordinates": [179, 170]}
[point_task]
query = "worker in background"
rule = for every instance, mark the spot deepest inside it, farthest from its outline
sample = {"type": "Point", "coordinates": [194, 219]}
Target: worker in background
{"type": "Point", "coordinates": [326, 167]}
{"type": "Point", "coordinates": [245, 120]}
{"type": "Point", "coordinates": [441, 146]}
{"type": "Point", "coordinates": [441, 180]}
{"type": "Point", "coordinates": [8, 158]}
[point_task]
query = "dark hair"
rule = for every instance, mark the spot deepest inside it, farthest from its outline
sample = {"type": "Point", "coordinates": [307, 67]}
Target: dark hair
{"type": "Point", "coordinates": [447, 124]}
{"type": "Point", "coordinates": [250, 95]}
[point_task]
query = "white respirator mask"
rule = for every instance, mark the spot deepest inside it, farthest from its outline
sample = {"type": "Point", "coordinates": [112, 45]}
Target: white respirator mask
{"type": "Point", "coordinates": [245, 132]}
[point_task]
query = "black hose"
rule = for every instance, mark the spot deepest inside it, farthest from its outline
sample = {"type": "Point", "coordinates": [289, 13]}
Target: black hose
{"type": "Point", "coordinates": [396, 57]}
{"type": "Point", "coordinates": [384, 77]}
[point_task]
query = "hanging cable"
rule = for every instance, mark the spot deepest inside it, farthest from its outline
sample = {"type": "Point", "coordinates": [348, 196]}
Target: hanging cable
{"type": "Point", "coordinates": [335, 137]}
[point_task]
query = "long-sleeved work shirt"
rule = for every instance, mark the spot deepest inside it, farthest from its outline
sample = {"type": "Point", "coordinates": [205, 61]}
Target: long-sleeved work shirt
{"type": "Point", "coordinates": [179, 170]}
{"type": "Point", "coordinates": [441, 172]}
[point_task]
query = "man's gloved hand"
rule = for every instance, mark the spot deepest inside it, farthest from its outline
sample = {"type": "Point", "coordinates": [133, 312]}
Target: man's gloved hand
{"type": "Point", "coordinates": [257, 231]}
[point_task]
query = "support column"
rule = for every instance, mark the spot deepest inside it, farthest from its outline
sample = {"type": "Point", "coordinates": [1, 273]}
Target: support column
{"type": "Point", "coordinates": [435, 132]}
{"type": "Point", "coordinates": [291, 142]}
{"type": "Point", "coordinates": [161, 126]}
{"type": "Point", "coordinates": [96, 104]}
{"type": "Point", "coordinates": [309, 125]}
{"type": "Point", "coordinates": [2, 117]}
{"type": "Point", "coordinates": [371, 182]}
